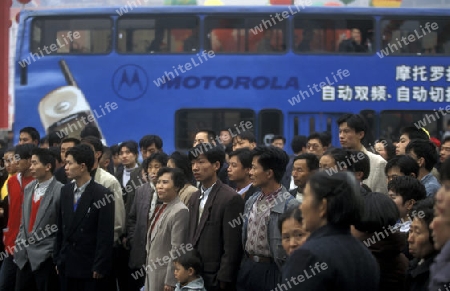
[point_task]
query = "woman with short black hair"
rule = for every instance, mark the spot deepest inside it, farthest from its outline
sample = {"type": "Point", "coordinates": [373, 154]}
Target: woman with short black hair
{"type": "Point", "coordinates": [331, 258]}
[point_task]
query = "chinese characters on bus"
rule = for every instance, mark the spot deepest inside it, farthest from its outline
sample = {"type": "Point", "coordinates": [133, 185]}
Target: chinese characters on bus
{"type": "Point", "coordinates": [404, 94]}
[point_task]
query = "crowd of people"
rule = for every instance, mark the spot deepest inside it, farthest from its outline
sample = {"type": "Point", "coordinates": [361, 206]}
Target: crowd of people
{"type": "Point", "coordinates": [227, 215]}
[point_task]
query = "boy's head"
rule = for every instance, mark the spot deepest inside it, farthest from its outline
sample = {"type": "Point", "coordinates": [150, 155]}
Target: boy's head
{"type": "Point", "coordinates": [406, 135]}
{"type": "Point", "coordinates": [401, 166]}
{"type": "Point", "coordinates": [406, 191]}
{"type": "Point", "coordinates": [245, 139]}
{"type": "Point", "coordinates": [23, 152]}
{"type": "Point", "coordinates": [188, 267]}
{"type": "Point", "coordinates": [423, 152]}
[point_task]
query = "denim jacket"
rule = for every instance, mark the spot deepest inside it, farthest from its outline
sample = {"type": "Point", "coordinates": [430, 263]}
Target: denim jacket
{"type": "Point", "coordinates": [284, 201]}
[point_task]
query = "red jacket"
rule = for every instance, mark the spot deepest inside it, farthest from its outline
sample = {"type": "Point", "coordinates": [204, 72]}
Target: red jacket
{"type": "Point", "coordinates": [15, 200]}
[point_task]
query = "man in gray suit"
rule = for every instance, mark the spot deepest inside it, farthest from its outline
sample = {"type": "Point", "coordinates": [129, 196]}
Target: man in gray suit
{"type": "Point", "coordinates": [37, 233]}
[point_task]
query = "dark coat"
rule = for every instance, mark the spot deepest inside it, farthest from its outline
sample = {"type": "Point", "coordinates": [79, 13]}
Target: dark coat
{"type": "Point", "coordinates": [215, 238]}
{"type": "Point", "coordinates": [393, 263]}
{"type": "Point", "coordinates": [84, 240]}
{"type": "Point", "coordinates": [60, 175]}
{"type": "Point", "coordinates": [252, 190]}
{"type": "Point", "coordinates": [349, 264]}
{"type": "Point", "coordinates": [418, 276]}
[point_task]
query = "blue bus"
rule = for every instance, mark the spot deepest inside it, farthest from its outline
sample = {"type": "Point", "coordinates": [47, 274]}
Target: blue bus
{"type": "Point", "coordinates": [288, 70]}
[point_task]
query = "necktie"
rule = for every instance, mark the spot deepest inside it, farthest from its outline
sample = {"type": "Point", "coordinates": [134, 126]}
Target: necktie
{"type": "Point", "coordinates": [158, 212]}
{"type": "Point", "coordinates": [76, 198]}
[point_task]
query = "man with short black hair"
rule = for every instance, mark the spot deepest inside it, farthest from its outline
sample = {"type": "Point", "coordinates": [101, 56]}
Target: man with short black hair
{"type": "Point", "coordinates": [424, 153]}
{"type": "Point", "coordinates": [401, 166]}
{"type": "Point", "coordinates": [317, 144]}
{"type": "Point", "coordinates": [303, 167]}
{"type": "Point", "coordinates": [245, 139]}
{"type": "Point", "coordinates": [352, 130]}
{"type": "Point", "coordinates": [407, 134]}
{"type": "Point", "coordinates": [29, 135]}
{"type": "Point", "coordinates": [150, 144]}
{"type": "Point", "coordinates": [445, 149]}
{"type": "Point", "coordinates": [240, 164]}
{"type": "Point", "coordinates": [84, 249]}
{"type": "Point", "coordinates": [66, 144]}
{"type": "Point", "coordinates": [260, 233]}
{"type": "Point", "coordinates": [37, 233]}
{"type": "Point", "coordinates": [279, 141]}
{"type": "Point", "coordinates": [212, 210]}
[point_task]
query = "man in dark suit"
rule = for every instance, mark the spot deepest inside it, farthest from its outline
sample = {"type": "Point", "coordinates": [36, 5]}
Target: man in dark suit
{"type": "Point", "coordinates": [37, 232]}
{"type": "Point", "coordinates": [240, 164]}
{"type": "Point", "coordinates": [215, 226]}
{"type": "Point", "coordinates": [85, 215]}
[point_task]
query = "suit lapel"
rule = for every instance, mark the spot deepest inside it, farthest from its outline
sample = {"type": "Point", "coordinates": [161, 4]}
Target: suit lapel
{"type": "Point", "coordinates": [83, 206]}
{"type": "Point", "coordinates": [162, 217]}
{"type": "Point", "coordinates": [28, 201]}
{"type": "Point", "coordinates": [46, 200]}
{"type": "Point", "coordinates": [206, 210]}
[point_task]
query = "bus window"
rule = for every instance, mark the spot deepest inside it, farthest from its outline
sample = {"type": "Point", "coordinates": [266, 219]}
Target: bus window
{"type": "Point", "coordinates": [245, 35]}
{"type": "Point", "coordinates": [270, 124]}
{"type": "Point", "coordinates": [71, 36]}
{"type": "Point", "coordinates": [391, 122]}
{"type": "Point", "coordinates": [325, 35]}
{"type": "Point", "coordinates": [421, 36]}
{"type": "Point", "coordinates": [158, 35]}
{"type": "Point", "coordinates": [189, 121]}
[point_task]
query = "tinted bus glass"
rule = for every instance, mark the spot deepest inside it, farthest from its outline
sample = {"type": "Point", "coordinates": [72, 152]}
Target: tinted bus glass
{"type": "Point", "coordinates": [421, 36]}
{"type": "Point", "coordinates": [325, 35]}
{"type": "Point", "coordinates": [228, 34]}
{"type": "Point", "coordinates": [71, 35]}
{"type": "Point", "coordinates": [149, 35]}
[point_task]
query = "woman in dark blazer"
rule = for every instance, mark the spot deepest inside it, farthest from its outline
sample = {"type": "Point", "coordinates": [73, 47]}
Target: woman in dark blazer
{"type": "Point", "coordinates": [331, 258]}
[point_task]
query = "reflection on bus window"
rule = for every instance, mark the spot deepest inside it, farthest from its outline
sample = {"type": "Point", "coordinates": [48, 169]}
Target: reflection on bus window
{"type": "Point", "coordinates": [158, 35]}
{"type": "Point", "coordinates": [324, 35]}
{"type": "Point", "coordinates": [420, 37]}
{"type": "Point", "coordinates": [244, 35]}
{"type": "Point", "coordinates": [72, 36]}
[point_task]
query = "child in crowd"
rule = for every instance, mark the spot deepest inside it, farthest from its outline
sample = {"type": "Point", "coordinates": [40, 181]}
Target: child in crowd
{"type": "Point", "coordinates": [188, 268]}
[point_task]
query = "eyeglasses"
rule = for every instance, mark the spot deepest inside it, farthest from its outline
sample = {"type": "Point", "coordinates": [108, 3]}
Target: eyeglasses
{"type": "Point", "coordinates": [445, 149]}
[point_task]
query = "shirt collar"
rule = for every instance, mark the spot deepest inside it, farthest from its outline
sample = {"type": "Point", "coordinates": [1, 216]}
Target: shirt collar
{"type": "Point", "coordinates": [82, 187]}
{"type": "Point", "coordinates": [426, 178]}
{"type": "Point", "coordinates": [44, 184]}
{"type": "Point", "coordinates": [271, 196]}
{"type": "Point", "coordinates": [245, 189]}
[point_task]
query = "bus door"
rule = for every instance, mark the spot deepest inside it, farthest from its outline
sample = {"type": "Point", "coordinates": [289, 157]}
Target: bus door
{"type": "Point", "coordinates": [307, 123]}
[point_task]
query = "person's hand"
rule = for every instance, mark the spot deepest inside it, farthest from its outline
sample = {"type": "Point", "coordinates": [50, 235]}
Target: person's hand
{"type": "Point", "coordinates": [96, 275]}
{"type": "Point", "coordinates": [168, 288]}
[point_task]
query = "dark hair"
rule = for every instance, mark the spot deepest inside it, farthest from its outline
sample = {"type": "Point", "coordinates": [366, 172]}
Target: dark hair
{"type": "Point", "coordinates": [388, 147]}
{"type": "Point", "coordinates": [182, 162]}
{"type": "Point", "coordinates": [131, 145]}
{"type": "Point", "coordinates": [94, 141]}
{"type": "Point", "coordinates": [406, 164]}
{"type": "Point", "coordinates": [82, 153]}
{"type": "Point", "coordinates": [245, 135]}
{"type": "Point", "coordinates": [114, 149]}
{"type": "Point", "coordinates": [244, 155]}
{"type": "Point", "coordinates": [379, 213]}
{"type": "Point", "coordinates": [76, 141]}
{"type": "Point", "coordinates": [90, 130]}
{"type": "Point", "coordinates": [408, 187]}
{"type": "Point", "coordinates": [106, 152]}
{"type": "Point", "coordinates": [445, 139]}
{"type": "Point", "coordinates": [298, 143]}
{"type": "Point", "coordinates": [34, 134]}
{"type": "Point", "coordinates": [292, 212]}
{"type": "Point", "coordinates": [211, 135]}
{"type": "Point", "coordinates": [191, 259]}
{"type": "Point", "coordinates": [272, 158]}
{"type": "Point", "coordinates": [45, 156]}
{"type": "Point", "coordinates": [54, 138]}
{"type": "Point", "coordinates": [178, 177]}
{"type": "Point", "coordinates": [24, 150]}
{"type": "Point", "coordinates": [211, 152]}
{"type": "Point", "coordinates": [322, 139]}
{"type": "Point", "coordinates": [311, 161]}
{"type": "Point", "coordinates": [56, 151]}
{"type": "Point", "coordinates": [354, 121]}
{"type": "Point", "coordinates": [414, 133]}
{"type": "Point", "coordinates": [43, 140]}
{"type": "Point", "coordinates": [340, 158]}
{"type": "Point", "coordinates": [361, 165]}
{"type": "Point", "coordinates": [148, 140]}
{"type": "Point", "coordinates": [279, 137]}
{"type": "Point", "coordinates": [160, 157]}
{"type": "Point", "coordinates": [424, 149]}
{"type": "Point", "coordinates": [326, 135]}
{"type": "Point", "coordinates": [445, 170]}
{"type": "Point", "coordinates": [424, 210]}
{"type": "Point", "coordinates": [342, 192]}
